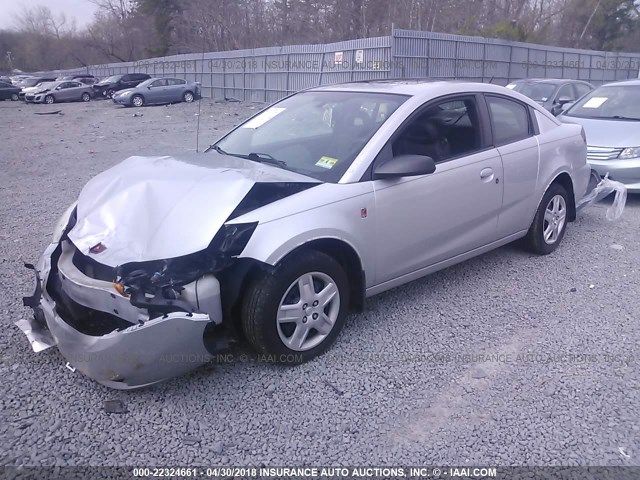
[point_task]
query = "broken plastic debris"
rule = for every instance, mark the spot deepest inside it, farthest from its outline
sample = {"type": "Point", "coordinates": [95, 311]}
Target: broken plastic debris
{"type": "Point", "coordinates": [115, 406]}
{"type": "Point", "coordinates": [603, 189]}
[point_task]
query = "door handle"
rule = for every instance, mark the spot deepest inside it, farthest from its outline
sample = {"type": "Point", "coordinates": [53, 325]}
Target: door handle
{"type": "Point", "coordinates": [486, 175]}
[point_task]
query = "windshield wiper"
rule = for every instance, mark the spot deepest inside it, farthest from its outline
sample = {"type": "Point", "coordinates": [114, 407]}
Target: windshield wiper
{"type": "Point", "coordinates": [216, 148]}
{"type": "Point", "coordinates": [620, 117]}
{"type": "Point", "coordinates": [265, 158]}
{"type": "Point", "coordinates": [253, 156]}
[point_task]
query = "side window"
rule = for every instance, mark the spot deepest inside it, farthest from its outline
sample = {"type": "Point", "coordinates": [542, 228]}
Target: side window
{"type": "Point", "coordinates": [445, 130]}
{"type": "Point", "coordinates": [126, 78]}
{"type": "Point", "coordinates": [582, 89]}
{"type": "Point", "coordinates": [74, 84]}
{"type": "Point", "coordinates": [159, 83]}
{"type": "Point", "coordinates": [565, 91]}
{"type": "Point", "coordinates": [175, 81]}
{"type": "Point", "coordinates": [509, 120]}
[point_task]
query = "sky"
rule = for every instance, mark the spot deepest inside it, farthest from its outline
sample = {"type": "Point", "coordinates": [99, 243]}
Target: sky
{"type": "Point", "coordinates": [81, 10]}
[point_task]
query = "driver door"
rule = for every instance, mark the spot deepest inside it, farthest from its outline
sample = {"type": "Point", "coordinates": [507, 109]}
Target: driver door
{"type": "Point", "coordinates": [424, 220]}
{"type": "Point", "coordinates": [157, 91]}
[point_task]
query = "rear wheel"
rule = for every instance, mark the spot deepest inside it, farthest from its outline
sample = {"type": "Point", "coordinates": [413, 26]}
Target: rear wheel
{"type": "Point", "coordinates": [550, 223]}
{"type": "Point", "coordinates": [49, 99]}
{"type": "Point", "coordinates": [15, 97]}
{"type": "Point", "coordinates": [295, 312]}
{"type": "Point", "coordinates": [188, 97]}
{"type": "Point", "coordinates": [137, 100]}
{"type": "Point", "coordinates": [85, 97]}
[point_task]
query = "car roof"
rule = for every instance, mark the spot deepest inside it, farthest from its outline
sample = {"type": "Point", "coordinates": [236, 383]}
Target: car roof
{"type": "Point", "coordinates": [416, 87]}
{"type": "Point", "coordinates": [634, 82]}
{"type": "Point", "coordinates": [553, 81]}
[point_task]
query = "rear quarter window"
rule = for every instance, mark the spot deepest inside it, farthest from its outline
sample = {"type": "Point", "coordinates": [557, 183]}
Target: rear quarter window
{"type": "Point", "coordinates": [510, 120]}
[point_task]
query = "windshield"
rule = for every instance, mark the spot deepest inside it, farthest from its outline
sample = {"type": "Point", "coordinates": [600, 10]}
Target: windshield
{"type": "Point", "coordinates": [615, 102]}
{"type": "Point", "coordinates": [44, 86]}
{"type": "Point", "coordinates": [540, 92]}
{"type": "Point", "coordinates": [112, 79]}
{"type": "Point", "coordinates": [314, 133]}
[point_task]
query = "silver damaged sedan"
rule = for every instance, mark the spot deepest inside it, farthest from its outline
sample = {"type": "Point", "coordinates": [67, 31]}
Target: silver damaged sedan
{"type": "Point", "coordinates": [292, 219]}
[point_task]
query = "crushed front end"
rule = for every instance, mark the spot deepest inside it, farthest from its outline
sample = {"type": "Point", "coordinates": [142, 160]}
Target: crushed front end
{"type": "Point", "coordinates": [129, 326]}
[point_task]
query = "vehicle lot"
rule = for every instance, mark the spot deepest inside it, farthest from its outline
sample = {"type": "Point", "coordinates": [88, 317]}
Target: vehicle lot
{"type": "Point", "coordinates": [505, 359]}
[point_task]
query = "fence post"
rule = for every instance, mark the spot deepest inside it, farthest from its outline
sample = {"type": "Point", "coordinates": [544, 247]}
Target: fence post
{"type": "Point", "coordinates": [392, 49]}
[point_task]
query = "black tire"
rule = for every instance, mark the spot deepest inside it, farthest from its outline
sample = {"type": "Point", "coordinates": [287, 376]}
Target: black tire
{"type": "Point", "coordinates": [262, 299]}
{"type": "Point", "coordinates": [188, 97]}
{"type": "Point", "coordinates": [110, 93]}
{"type": "Point", "coordinates": [85, 97]}
{"type": "Point", "coordinates": [49, 99]}
{"type": "Point", "coordinates": [15, 97]}
{"type": "Point", "coordinates": [535, 239]}
{"type": "Point", "coordinates": [137, 98]}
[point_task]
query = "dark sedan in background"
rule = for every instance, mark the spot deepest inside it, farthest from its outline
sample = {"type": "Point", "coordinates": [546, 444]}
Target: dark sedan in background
{"type": "Point", "coordinates": [9, 91]}
{"type": "Point", "coordinates": [551, 93]}
{"type": "Point", "coordinates": [107, 87]}
{"type": "Point", "coordinates": [158, 90]}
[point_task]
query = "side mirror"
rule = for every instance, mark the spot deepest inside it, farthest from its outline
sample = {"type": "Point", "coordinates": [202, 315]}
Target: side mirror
{"type": "Point", "coordinates": [148, 87]}
{"type": "Point", "coordinates": [563, 100]}
{"type": "Point", "coordinates": [566, 106]}
{"type": "Point", "coordinates": [405, 166]}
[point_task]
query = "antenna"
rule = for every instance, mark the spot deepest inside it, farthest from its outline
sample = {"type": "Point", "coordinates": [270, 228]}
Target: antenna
{"type": "Point", "coordinates": [201, 33]}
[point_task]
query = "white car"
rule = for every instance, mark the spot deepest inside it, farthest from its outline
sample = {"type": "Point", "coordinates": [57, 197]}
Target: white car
{"type": "Point", "coordinates": [292, 219]}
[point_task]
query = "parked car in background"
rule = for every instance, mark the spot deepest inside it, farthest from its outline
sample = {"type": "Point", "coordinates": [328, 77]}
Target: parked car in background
{"type": "Point", "coordinates": [158, 90]}
{"type": "Point", "coordinates": [61, 91]}
{"type": "Point", "coordinates": [33, 81]}
{"type": "Point", "coordinates": [9, 91]}
{"type": "Point", "coordinates": [107, 87]}
{"type": "Point", "coordinates": [610, 116]}
{"type": "Point", "coordinates": [85, 78]}
{"type": "Point", "coordinates": [15, 79]}
{"type": "Point", "coordinates": [25, 91]}
{"type": "Point", "coordinates": [327, 197]}
{"type": "Point", "coordinates": [551, 93]}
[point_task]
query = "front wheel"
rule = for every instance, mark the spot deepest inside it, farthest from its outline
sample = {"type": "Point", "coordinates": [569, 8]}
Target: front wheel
{"type": "Point", "coordinates": [14, 97]}
{"type": "Point", "coordinates": [137, 101]}
{"type": "Point", "coordinates": [49, 99]}
{"type": "Point", "coordinates": [110, 93]}
{"type": "Point", "coordinates": [295, 312]}
{"type": "Point", "coordinates": [550, 223]}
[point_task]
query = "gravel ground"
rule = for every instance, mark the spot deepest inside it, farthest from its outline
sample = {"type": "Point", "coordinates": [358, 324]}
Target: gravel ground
{"type": "Point", "coordinates": [508, 359]}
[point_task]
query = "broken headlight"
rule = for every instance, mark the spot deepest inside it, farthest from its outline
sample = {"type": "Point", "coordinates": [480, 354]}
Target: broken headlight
{"type": "Point", "coordinates": [63, 223]}
{"type": "Point", "coordinates": [165, 278]}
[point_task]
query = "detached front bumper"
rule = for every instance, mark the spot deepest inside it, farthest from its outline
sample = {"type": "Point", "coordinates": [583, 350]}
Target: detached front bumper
{"type": "Point", "coordinates": [131, 356]}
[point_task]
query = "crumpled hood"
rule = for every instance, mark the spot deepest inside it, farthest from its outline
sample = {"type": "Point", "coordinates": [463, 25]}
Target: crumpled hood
{"type": "Point", "coordinates": [608, 133]}
{"type": "Point", "coordinates": [152, 208]}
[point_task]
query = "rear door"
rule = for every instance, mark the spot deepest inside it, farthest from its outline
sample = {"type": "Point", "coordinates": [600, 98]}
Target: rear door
{"type": "Point", "coordinates": [514, 131]}
{"type": "Point", "coordinates": [175, 89]}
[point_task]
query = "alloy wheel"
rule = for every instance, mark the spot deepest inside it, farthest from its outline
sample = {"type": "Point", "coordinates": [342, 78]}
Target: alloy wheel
{"type": "Point", "coordinates": [308, 311]}
{"type": "Point", "coordinates": [555, 217]}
